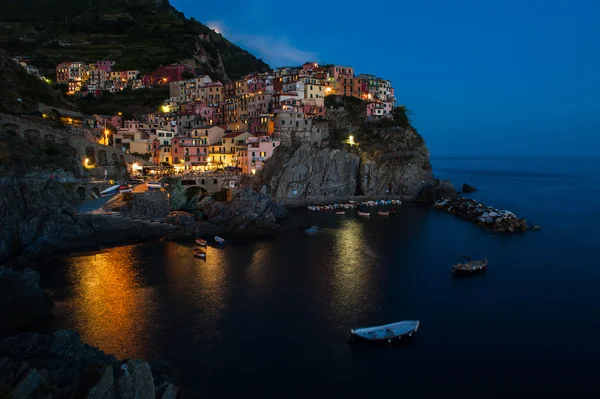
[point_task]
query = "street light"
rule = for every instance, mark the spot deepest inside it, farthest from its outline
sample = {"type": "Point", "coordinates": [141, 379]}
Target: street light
{"type": "Point", "coordinates": [106, 133]}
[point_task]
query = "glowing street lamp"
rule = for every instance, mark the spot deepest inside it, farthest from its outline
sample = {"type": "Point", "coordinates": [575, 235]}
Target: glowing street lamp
{"type": "Point", "coordinates": [86, 162]}
{"type": "Point", "coordinates": [106, 133]}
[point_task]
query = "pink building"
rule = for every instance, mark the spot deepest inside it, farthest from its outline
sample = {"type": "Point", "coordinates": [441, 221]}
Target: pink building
{"type": "Point", "coordinates": [256, 86]}
{"type": "Point", "coordinates": [379, 110]}
{"type": "Point", "coordinates": [337, 71]}
{"type": "Point", "coordinates": [105, 66]}
{"type": "Point", "coordinates": [167, 74]}
{"type": "Point", "coordinates": [259, 149]}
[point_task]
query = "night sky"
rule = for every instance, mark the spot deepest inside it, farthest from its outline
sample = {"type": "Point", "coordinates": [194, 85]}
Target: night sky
{"type": "Point", "coordinates": [481, 77]}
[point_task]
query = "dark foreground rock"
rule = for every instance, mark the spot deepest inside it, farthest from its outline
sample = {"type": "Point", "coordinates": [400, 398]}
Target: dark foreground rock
{"type": "Point", "coordinates": [22, 302]}
{"type": "Point", "coordinates": [468, 189]}
{"type": "Point", "coordinates": [59, 365]}
{"type": "Point", "coordinates": [484, 216]}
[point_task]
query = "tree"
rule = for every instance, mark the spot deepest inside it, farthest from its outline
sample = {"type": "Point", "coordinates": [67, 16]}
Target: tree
{"type": "Point", "coordinates": [401, 116]}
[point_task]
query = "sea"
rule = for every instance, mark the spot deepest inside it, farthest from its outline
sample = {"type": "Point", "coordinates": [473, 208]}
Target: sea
{"type": "Point", "coordinates": [271, 318]}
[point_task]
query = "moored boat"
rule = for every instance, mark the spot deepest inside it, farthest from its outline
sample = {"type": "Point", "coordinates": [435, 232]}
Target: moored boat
{"type": "Point", "coordinates": [154, 185]}
{"type": "Point", "coordinates": [386, 333]}
{"type": "Point", "coordinates": [340, 213]}
{"type": "Point", "coordinates": [125, 188]}
{"type": "Point", "coordinates": [474, 266]}
{"type": "Point", "coordinates": [219, 240]}
{"type": "Point", "coordinates": [383, 213]}
{"type": "Point", "coordinates": [363, 213]}
{"type": "Point", "coordinates": [110, 191]}
{"type": "Point", "coordinates": [200, 242]}
{"type": "Point", "coordinates": [199, 253]}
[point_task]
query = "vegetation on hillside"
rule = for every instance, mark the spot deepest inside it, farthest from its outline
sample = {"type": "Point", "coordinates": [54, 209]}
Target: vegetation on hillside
{"type": "Point", "coordinates": [137, 34]}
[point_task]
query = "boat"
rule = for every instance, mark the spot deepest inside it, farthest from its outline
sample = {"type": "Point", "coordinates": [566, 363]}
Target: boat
{"type": "Point", "coordinates": [154, 185]}
{"type": "Point", "coordinates": [340, 213]}
{"type": "Point", "coordinates": [387, 333]}
{"type": "Point", "coordinates": [383, 213]}
{"type": "Point", "coordinates": [219, 240]}
{"type": "Point", "coordinates": [472, 266]}
{"type": "Point", "coordinates": [363, 213]}
{"type": "Point", "coordinates": [200, 242]}
{"type": "Point", "coordinates": [312, 230]}
{"type": "Point", "coordinates": [125, 188]}
{"type": "Point", "coordinates": [199, 253]}
{"type": "Point", "coordinates": [110, 191]}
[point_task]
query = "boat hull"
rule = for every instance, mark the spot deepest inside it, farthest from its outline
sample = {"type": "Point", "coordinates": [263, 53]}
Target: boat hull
{"type": "Point", "coordinates": [386, 334]}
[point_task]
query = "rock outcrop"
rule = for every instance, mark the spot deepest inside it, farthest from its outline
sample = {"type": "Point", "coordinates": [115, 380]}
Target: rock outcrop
{"type": "Point", "coordinates": [22, 302]}
{"type": "Point", "coordinates": [437, 190]}
{"type": "Point", "coordinates": [59, 365]}
{"type": "Point", "coordinates": [468, 189]}
{"type": "Point", "coordinates": [484, 216]}
{"type": "Point", "coordinates": [386, 161]}
{"type": "Point", "coordinates": [249, 213]}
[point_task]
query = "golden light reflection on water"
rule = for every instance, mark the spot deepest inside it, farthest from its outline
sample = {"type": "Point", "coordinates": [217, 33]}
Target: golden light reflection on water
{"type": "Point", "coordinates": [112, 309]}
{"type": "Point", "coordinates": [200, 282]}
{"type": "Point", "coordinates": [351, 268]}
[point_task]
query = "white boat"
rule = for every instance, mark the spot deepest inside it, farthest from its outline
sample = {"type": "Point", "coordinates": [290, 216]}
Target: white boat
{"type": "Point", "coordinates": [125, 188]}
{"type": "Point", "coordinates": [386, 333]}
{"type": "Point", "coordinates": [154, 185]}
{"type": "Point", "coordinates": [363, 213]}
{"type": "Point", "coordinates": [219, 240]}
{"type": "Point", "coordinates": [383, 213]}
{"type": "Point", "coordinates": [110, 191]}
{"type": "Point", "coordinates": [340, 213]}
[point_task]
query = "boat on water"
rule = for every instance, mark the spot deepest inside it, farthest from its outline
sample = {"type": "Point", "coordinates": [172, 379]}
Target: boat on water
{"type": "Point", "coordinates": [472, 266]}
{"type": "Point", "coordinates": [200, 242]}
{"type": "Point", "coordinates": [386, 333]}
{"type": "Point", "coordinates": [219, 240]}
{"type": "Point", "coordinates": [340, 213]}
{"type": "Point", "coordinates": [110, 191]}
{"type": "Point", "coordinates": [199, 253]}
{"type": "Point", "coordinates": [383, 213]}
{"type": "Point", "coordinates": [364, 213]}
{"type": "Point", "coordinates": [154, 185]}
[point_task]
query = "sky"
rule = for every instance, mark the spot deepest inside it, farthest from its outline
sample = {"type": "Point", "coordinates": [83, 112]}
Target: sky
{"type": "Point", "coordinates": [480, 77]}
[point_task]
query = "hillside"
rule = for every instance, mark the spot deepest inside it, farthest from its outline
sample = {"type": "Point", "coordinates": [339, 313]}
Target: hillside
{"type": "Point", "coordinates": [137, 34]}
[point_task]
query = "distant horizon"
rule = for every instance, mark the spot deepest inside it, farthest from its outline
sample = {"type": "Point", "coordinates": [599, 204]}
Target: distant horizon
{"type": "Point", "coordinates": [512, 77]}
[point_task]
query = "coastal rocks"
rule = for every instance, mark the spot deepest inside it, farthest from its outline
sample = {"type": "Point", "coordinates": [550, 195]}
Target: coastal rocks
{"type": "Point", "coordinates": [484, 216]}
{"type": "Point", "coordinates": [180, 218]}
{"type": "Point", "coordinates": [468, 189]}
{"type": "Point", "coordinates": [59, 365]}
{"type": "Point", "coordinates": [148, 203]}
{"type": "Point", "coordinates": [249, 213]}
{"type": "Point", "coordinates": [438, 190]}
{"type": "Point", "coordinates": [22, 302]}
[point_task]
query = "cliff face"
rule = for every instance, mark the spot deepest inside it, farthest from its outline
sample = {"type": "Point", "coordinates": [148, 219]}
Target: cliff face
{"type": "Point", "coordinates": [386, 161]}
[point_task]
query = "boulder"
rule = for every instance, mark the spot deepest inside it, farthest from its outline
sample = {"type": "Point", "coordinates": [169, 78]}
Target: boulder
{"type": "Point", "coordinates": [468, 189]}
{"type": "Point", "coordinates": [180, 218]}
{"type": "Point", "coordinates": [439, 190]}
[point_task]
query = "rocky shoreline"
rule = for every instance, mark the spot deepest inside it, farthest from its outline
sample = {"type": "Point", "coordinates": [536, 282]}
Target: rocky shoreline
{"type": "Point", "coordinates": [484, 216]}
{"type": "Point", "coordinates": [59, 365]}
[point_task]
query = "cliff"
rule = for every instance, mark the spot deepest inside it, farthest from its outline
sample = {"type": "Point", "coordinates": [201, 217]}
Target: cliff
{"type": "Point", "coordinates": [383, 159]}
{"type": "Point", "coordinates": [137, 34]}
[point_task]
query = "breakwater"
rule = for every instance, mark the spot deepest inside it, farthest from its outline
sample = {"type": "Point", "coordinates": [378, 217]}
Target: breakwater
{"type": "Point", "coordinates": [493, 219]}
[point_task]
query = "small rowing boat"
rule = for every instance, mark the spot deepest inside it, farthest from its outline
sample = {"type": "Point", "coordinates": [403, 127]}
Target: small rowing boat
{"type": "Point", "coordinates": [383, 213]}
{"type": "Point", "coordinates": [199, 253]}
{"type": "Point", "coordinates": [219, 240]}
{"type": "Point", "coordinates": [386, 333]}
{"type": "Point", "coordinates": [340, 213]}
{"type": "Point", "coordinates": [363, 213]}
{"type": "Point", "coordinates": [200, 242]}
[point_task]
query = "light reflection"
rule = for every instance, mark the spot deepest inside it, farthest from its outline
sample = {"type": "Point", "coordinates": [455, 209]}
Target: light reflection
{"type": "Point", "coordinates": [351, 268]}
{"type": "Point", "coordinates": [111, 307]}
{"type": "Point", "coordinates": [201, 282]}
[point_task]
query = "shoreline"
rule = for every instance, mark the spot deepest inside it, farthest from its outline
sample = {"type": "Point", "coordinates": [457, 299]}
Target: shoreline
{"type": "Point", "coordinates": [299, 203]}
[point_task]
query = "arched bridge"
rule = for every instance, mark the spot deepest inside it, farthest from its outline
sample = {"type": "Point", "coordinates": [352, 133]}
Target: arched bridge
{"type": "Point", "coordinates": [209, 182]}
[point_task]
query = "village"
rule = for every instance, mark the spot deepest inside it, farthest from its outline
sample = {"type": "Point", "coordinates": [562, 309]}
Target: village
{"type": "Point", "coordinates": [208, 125]}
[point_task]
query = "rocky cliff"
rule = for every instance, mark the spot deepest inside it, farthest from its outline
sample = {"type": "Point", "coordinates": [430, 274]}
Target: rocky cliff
{"type": "Point", "coordinates": [391, 161]}
{"type": "Point", "coordinates": [59, 365]}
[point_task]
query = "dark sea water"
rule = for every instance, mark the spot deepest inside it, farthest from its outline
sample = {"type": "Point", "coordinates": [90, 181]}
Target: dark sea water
{"type": "Point", "coordinates": [271, 318]}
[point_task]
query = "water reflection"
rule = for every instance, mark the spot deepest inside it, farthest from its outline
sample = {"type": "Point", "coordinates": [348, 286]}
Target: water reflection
{"type": "Point", "coordinates": [200, 283]}
{"type": "Point", "coordinates": [351, 278]}
{"type": "Point", "coordinates": [111, 308]}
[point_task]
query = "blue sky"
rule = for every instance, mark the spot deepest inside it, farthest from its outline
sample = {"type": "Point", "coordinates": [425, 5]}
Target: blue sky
{"type": "Point", "coordinates": [481, 77]}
